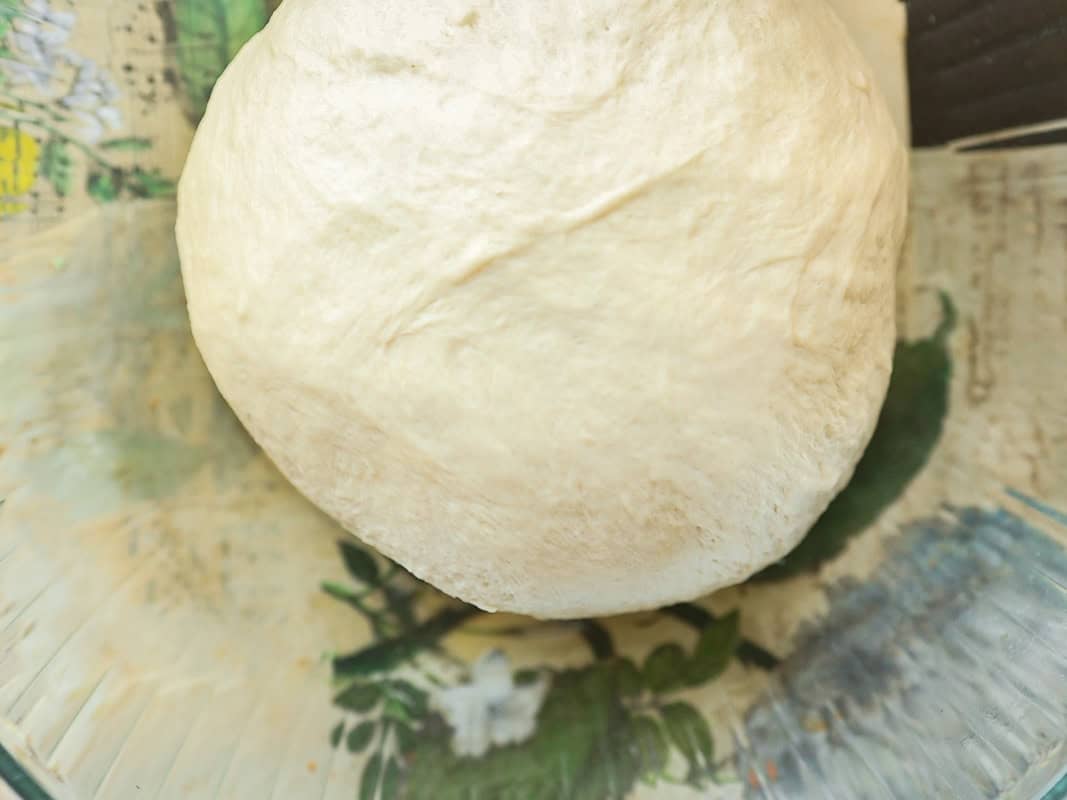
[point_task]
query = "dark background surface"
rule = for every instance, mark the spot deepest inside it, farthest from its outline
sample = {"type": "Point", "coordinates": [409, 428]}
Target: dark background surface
{"type": "Point", "coordinates": [980, 66]}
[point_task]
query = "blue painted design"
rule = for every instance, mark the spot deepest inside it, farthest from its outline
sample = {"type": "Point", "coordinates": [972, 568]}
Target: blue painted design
{"type": "Point", "coordinates": [1037, 505]}
{"type": "Point", "coordinates": [942, 675]}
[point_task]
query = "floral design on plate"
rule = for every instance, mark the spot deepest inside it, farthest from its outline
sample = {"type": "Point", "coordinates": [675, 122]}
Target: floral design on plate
{"type": "Point", "coordinates": [40, 58]}
{"type": "Point", "coordinates": [64, 130]}
{"type": "Point", "coordinates": [491, 710]}
{"type": "Point", "coordinates": [431, 725]}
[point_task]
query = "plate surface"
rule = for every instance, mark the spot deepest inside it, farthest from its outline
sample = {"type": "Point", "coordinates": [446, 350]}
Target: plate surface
{"type": "Point", "coordinates": [175, 621]}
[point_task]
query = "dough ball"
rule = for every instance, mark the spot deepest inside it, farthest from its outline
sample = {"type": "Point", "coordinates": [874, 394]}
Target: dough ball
{"type": "Point", "coordinates": [570, 308]}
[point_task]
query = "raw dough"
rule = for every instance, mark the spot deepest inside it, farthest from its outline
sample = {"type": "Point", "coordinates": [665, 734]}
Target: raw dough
{"type": "Point", "coordinates": [879, 29]}
{"type": "Point", "coordinates": [570, 308]}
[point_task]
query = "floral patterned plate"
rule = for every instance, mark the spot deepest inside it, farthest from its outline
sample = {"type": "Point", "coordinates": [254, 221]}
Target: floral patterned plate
{"type": "Point", "coordinates": [177, 622]}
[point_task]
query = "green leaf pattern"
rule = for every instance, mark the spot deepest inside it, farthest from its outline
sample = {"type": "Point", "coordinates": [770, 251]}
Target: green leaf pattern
{"type": "Point", "coordinates": [336, 733]}
{"type": "Point", "coordinates": [689, 732]}
{"type": "Point", "coordinates": [359, 697]}
{"type": "Point", "coordinates": [127, 143]}
{"type": "Point", "coordinates": [71, 106]}
{"type": "Point", "coordinates": [908, 428]}
{"type": "Point", "coordinates": [8, 9]}
{"type": "Point", "coordinates": [368, 785]}
{"type": "Point", "coordinates": [664, 668]}
{"type": "Point", "coordinates": [210, 32]}
{"type": "Point", "coordinates": [584, 733]}
{"type": "Point", "coordinates": [360, 736]}
{"type": "Point", "coordinates": [360, 564]}
{"type": "Point", "coordinates": [714, 649]}
{"type": "Point", "coordinates": [57, 164]}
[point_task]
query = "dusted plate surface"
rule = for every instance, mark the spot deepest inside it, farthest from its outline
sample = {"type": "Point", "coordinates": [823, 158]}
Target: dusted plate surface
{"type": "Point", "coordinates": [175, 621]}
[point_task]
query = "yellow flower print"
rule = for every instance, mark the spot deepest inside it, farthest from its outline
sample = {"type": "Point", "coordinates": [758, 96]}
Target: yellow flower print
{"type": "Point", "coordinates": [18, 168]}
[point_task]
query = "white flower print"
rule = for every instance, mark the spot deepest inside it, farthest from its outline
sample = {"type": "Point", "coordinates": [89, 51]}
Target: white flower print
{"type": "Point", "coordinates": [40, 58]}
{"type": "Point", "coordinates": [90, 100]}
{"type": "Point", "coordinates": [490, 710]}
{"type": "Point", "coordinates": [38, 36]}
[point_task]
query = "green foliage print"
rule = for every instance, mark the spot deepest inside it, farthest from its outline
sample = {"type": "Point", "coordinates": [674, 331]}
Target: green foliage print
{"type": "Point", "coordinates": [602, 728]}
{"type": "Point", "coordinates": [592, 733]}
{"type": "Point", "coordinates": [210, 32]}
{"type": "Point", "coordinates": [56, 165]}
{"type": "Point", "coordinates": [9, 9]}
{"type": "Point", "coordinates": [64, 104]}
{"type": "Point", "coordinates": [908, 428]}
{"type": "Point", "coordinates": [108, 183]}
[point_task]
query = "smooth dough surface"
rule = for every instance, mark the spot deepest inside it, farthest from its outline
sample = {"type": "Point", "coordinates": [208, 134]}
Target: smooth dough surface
{"type": "Point", "coordinates": [570, 308]}
{"type": "Point", "coordinates": [879, 28]}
